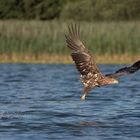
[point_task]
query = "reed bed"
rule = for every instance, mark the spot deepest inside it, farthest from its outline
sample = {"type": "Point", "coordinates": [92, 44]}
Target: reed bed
{"type": "Point", "coordinates": [44, 41]}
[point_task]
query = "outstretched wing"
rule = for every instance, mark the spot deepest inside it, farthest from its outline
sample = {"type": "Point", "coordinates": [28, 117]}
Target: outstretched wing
{"type": "Point", "coordinates": [125, 71]}
{"type": "Point", "coordinates": [80, 55]}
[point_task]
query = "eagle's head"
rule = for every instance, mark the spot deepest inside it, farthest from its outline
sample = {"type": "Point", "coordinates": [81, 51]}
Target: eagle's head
{"type": "Point", "coordinates": [112, 81]}
{"type": "Point", "coordinates": [108, 81]}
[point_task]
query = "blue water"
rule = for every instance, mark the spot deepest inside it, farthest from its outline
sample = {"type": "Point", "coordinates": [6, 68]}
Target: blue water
{"type": "Point", "coordinates": [41, 102]}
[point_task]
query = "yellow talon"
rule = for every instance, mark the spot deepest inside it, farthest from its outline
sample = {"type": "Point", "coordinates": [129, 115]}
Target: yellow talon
{"type": "Point", "coordinates": [83, 97]}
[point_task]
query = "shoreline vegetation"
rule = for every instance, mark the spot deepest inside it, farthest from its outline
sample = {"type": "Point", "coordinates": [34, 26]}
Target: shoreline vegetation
{"type": "Point", "coordinates": [66, 59]}
{"type": "Point", "coordinates": [44, 41]}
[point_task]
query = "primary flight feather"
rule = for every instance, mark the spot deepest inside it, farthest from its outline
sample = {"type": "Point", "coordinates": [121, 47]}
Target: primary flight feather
{"type": "Point", "coordinates": [91, 75]}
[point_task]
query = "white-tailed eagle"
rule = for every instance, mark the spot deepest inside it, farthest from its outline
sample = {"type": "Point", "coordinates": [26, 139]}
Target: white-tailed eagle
{"type": "Point", "coordinates": [91, 75]}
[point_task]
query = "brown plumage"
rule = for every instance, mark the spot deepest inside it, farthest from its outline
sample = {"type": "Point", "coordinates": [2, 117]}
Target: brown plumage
{"type": "Point", "coordinates": [91, 75]}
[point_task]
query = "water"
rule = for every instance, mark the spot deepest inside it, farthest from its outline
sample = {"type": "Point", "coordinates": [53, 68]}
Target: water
{"type": "Point", "coordinates": [39, 101]}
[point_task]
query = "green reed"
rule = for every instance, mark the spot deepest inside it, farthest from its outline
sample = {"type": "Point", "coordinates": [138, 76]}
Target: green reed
{"type": "Point", "coordinates": [47, 37]}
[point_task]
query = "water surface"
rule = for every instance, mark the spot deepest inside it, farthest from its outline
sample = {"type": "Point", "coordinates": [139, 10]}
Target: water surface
{"type": "Point", "coordinates": [41, 101]}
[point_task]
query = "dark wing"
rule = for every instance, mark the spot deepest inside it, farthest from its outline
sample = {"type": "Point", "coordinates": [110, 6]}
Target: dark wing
{"type": "Point", "coordinates": [125, 71]}
{"type": "Point", "coordinates": [81, 56]}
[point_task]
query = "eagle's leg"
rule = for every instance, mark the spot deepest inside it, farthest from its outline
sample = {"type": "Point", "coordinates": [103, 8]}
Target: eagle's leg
{"type": "Point", "coordinates": [83, 97]}
{"type": "Point", "coordinates": [86, 89]}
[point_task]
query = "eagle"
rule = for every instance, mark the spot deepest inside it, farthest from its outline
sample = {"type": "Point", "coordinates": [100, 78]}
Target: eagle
{"type": "Point", "coordinates": [91, 76]}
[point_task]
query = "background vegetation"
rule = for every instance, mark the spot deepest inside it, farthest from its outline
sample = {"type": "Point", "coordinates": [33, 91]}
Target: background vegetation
{"type": "Point", "coordinates": [34, 29]}
{"type": "Point", "coordinates": [70, 9]}
{"type": "Point", "coordinates": [42, 38]}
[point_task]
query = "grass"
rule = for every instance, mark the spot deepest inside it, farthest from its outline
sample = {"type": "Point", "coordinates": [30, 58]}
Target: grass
{"type": "Point", "coordinates": [44, 41]}
{"type": "Point", "coordinates": [66, 59]}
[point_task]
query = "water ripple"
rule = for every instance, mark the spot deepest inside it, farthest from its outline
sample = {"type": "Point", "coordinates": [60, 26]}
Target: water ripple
{"type": "Point", "coordinates": [42, 101]}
